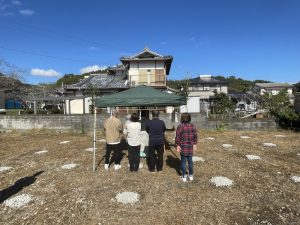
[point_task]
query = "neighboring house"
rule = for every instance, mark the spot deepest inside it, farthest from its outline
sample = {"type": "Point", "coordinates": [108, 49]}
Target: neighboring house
{"type": "Point", "coordinates": [148, 68]}
{"type": "Point", "coordinates": [201, 91]}
{"type": "Point", "coordinates": [273, 89]}
{"type": "Point", "coordinates": [145, 68]}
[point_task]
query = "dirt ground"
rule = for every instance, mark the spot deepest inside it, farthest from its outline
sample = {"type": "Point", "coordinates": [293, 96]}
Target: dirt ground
{"type": "Point", "coordinates": [263, 191]}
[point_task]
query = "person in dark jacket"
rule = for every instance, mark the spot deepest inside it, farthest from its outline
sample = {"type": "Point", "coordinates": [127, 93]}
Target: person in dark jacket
{"type": "Point", "coordinates": [186, 142]}
{"type": "Point", "coordinates": [156, 129]}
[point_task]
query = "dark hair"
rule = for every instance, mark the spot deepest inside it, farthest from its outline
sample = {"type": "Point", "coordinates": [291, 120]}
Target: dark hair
{"type": "Point", "coordinates": [155, 113]}
{"type": "Point", "coordinates": [185, 118]}
{"type": "Point", "coordinates": [134, 117]}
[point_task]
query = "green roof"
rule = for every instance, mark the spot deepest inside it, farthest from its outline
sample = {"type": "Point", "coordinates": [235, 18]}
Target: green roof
{"type": "Point", "coordinates": [140, 96]}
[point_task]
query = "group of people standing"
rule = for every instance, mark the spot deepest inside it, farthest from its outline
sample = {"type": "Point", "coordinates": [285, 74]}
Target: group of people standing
{"type": "Point", "coordinates": [186, 140]}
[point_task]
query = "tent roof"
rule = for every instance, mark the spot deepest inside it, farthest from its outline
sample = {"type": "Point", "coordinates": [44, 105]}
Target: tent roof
{"type": "Point", "coordinates": [140, 96]}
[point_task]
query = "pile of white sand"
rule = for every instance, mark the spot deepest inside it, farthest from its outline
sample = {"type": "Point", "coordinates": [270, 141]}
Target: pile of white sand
{"type": "Point", "coordinates": [128, 197]}
{"type": "Point", "coordinates": [18, 201]}
{"type": "Point", "coordinates": [279, 135]}
{"type": "Point", "coordinates": [210, 138]}
{"type": "Point", "coordinates": [5, 168]}
{"type": "Point", "coordinates": [69, 166]}
{"type": "Point", "coordinates": [41, 152]}
{"type": "Point", "coordinates": [296, 179]}
{"type": "Point", "coordinates": [226, 145]}
{"type": "Point", "coordinates": [269, 145]}
{"type": "Point", "coordinates": [197, 159]}
{"type": "Point", "coordinates": [64, 142]}
{"type": "Point", "coordinates": [245, 137]}
{"type": "Point", "coordinates": [221, 181]}
{"type": "Point", "coordinates": [253, 157]}
{"type": "Point", "coordinates": [90, 149]}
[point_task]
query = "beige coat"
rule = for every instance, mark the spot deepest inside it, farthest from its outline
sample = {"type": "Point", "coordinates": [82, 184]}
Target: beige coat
{"type": "Point", "coordinates": [113, 128]}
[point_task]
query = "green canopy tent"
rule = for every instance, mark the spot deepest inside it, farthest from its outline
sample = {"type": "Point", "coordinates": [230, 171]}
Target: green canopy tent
{"type": "Point", "coordinates": [140, 96]}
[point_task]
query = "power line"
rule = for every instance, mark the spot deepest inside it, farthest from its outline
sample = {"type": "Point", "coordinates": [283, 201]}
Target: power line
{"type": "Point", "coordinates": [48, 56]}
{"type": "Point", "coordinates": [63, 35]}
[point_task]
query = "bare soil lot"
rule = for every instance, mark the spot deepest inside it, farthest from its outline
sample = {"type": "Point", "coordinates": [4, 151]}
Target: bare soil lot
{"type": "Point", "coordinates": [263, 191]}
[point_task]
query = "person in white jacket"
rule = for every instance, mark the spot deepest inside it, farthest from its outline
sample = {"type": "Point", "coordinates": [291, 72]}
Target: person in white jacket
{"type": "Point", "coordinates": [133, 132]}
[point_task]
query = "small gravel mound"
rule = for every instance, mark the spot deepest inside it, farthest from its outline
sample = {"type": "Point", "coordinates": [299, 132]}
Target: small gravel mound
{"type": "Point", "coordinates": [279, 135]}
{"type": "Point", "coordinates": [90, 149]}
{"type": "Point", "coordinates": [69, 166]}
{"type": "Point", "coordinates": [296, 179]}
{"type": "Point", "coordinates": [5, 168]}
{"type": "Point", "coordinates": [245, 137]}
{"type": "Point", "coordinates": [128, 197]}
{"type": "Point", "coordinates": [18, 201]}
{"type": "Point", "coordinates": [197, 159]}
{"type": "Point", "coordinates": [269, 145]}
{"type": "Point", "coordinates": [226, 145]}
{"type": "Point", "coordinates": [210, 138]}
{"type": "Point", "coordinates": [102, 140]}
{"type": "Point", "coordinates": [41, 152]}
{"type": "Point", "coordinates": [253, 157]}
{"type": "Point", "coordinates": [221, 181]}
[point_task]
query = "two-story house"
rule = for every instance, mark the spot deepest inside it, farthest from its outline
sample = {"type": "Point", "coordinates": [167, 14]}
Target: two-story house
{"type": "Point", "coordinates": [201, 91]}
{"type": "Point", "coordinates": [145, 68]}
{"type": "Point", "coordinates": [148, 68]}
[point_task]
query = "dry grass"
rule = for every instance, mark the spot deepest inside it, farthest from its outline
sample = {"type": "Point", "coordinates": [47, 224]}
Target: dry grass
{"type": "Point", "coordinates": [263, 192]}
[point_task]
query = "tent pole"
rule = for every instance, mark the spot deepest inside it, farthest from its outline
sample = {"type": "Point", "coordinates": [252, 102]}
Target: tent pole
{"type": "Point", "coordinates": [94, 144]}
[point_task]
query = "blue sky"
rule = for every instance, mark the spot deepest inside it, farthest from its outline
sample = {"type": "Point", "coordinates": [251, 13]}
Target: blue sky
{"type": "Point", "coordinates": [249, 39]}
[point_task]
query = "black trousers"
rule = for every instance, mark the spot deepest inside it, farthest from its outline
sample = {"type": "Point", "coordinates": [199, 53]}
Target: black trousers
{"type": "Point", "coordinates": [134, 157]}
{"type": "Point", "coordinates": [117, 153]}
{"type": "Point", "coordinates": [156, 159]}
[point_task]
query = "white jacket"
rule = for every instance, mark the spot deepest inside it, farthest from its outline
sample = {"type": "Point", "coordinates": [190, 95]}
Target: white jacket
{"type": "Point", "coordinates": [133, 132]}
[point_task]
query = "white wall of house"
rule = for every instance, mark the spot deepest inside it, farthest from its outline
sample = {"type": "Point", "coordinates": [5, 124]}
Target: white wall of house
{"type": "Point", "coordinates": [76, 106]}
{"type": "Point", "coordinates": [193, 105]}
{"type": "Point", "coordinates": [144, 68]}
{"type": "Point", "coordinates": [275, 91]}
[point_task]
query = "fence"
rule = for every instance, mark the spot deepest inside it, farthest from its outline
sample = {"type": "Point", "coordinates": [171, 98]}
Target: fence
{"type": "Point", "coordinates": [84, 123]}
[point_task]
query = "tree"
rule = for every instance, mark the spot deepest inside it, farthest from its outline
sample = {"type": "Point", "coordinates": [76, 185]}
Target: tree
{"type": "Point", "coordinates": [185, 88]}
{"type": "Point", "coordinates": [281, 108]}
{"type": "Point", "coordinates": [297, 87]}
{"type": "Point", "coordinates": [12, 71]}
{"type": "Point", "coordinates": [222, 104]}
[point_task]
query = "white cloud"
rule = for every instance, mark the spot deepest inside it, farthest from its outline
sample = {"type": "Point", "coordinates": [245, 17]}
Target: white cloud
{"type": "Point", "coordinates": [16, 2]}
{"type": "Point", "coordinates": [92, 68]}
{"type": "Point", "coordinates": [93, 48]}
{"type": "Point", "coordinates": [26, 12]}
{"type": "Point", "coordinates": [44, 73]}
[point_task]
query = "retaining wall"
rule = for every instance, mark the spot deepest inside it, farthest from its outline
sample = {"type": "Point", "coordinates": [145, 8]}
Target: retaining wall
{"type": "Point", "coordinates": [84, 123]}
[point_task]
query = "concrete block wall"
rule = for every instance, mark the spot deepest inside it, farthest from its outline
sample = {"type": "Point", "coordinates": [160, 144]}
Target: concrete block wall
{"type": "Point", "coordinates": [85, 123]}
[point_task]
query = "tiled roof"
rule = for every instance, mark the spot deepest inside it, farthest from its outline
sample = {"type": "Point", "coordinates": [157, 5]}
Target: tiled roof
{"type": "Point", "coordinates": [273, 85]}
{"type": "Point", "coordinates": [211, 80]}
{"type": "Point", "coordinates": [100, 81]}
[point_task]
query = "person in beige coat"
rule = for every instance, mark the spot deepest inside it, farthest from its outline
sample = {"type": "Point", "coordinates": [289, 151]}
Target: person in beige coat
{"type": "Point", "coordinates": [113, 130]}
